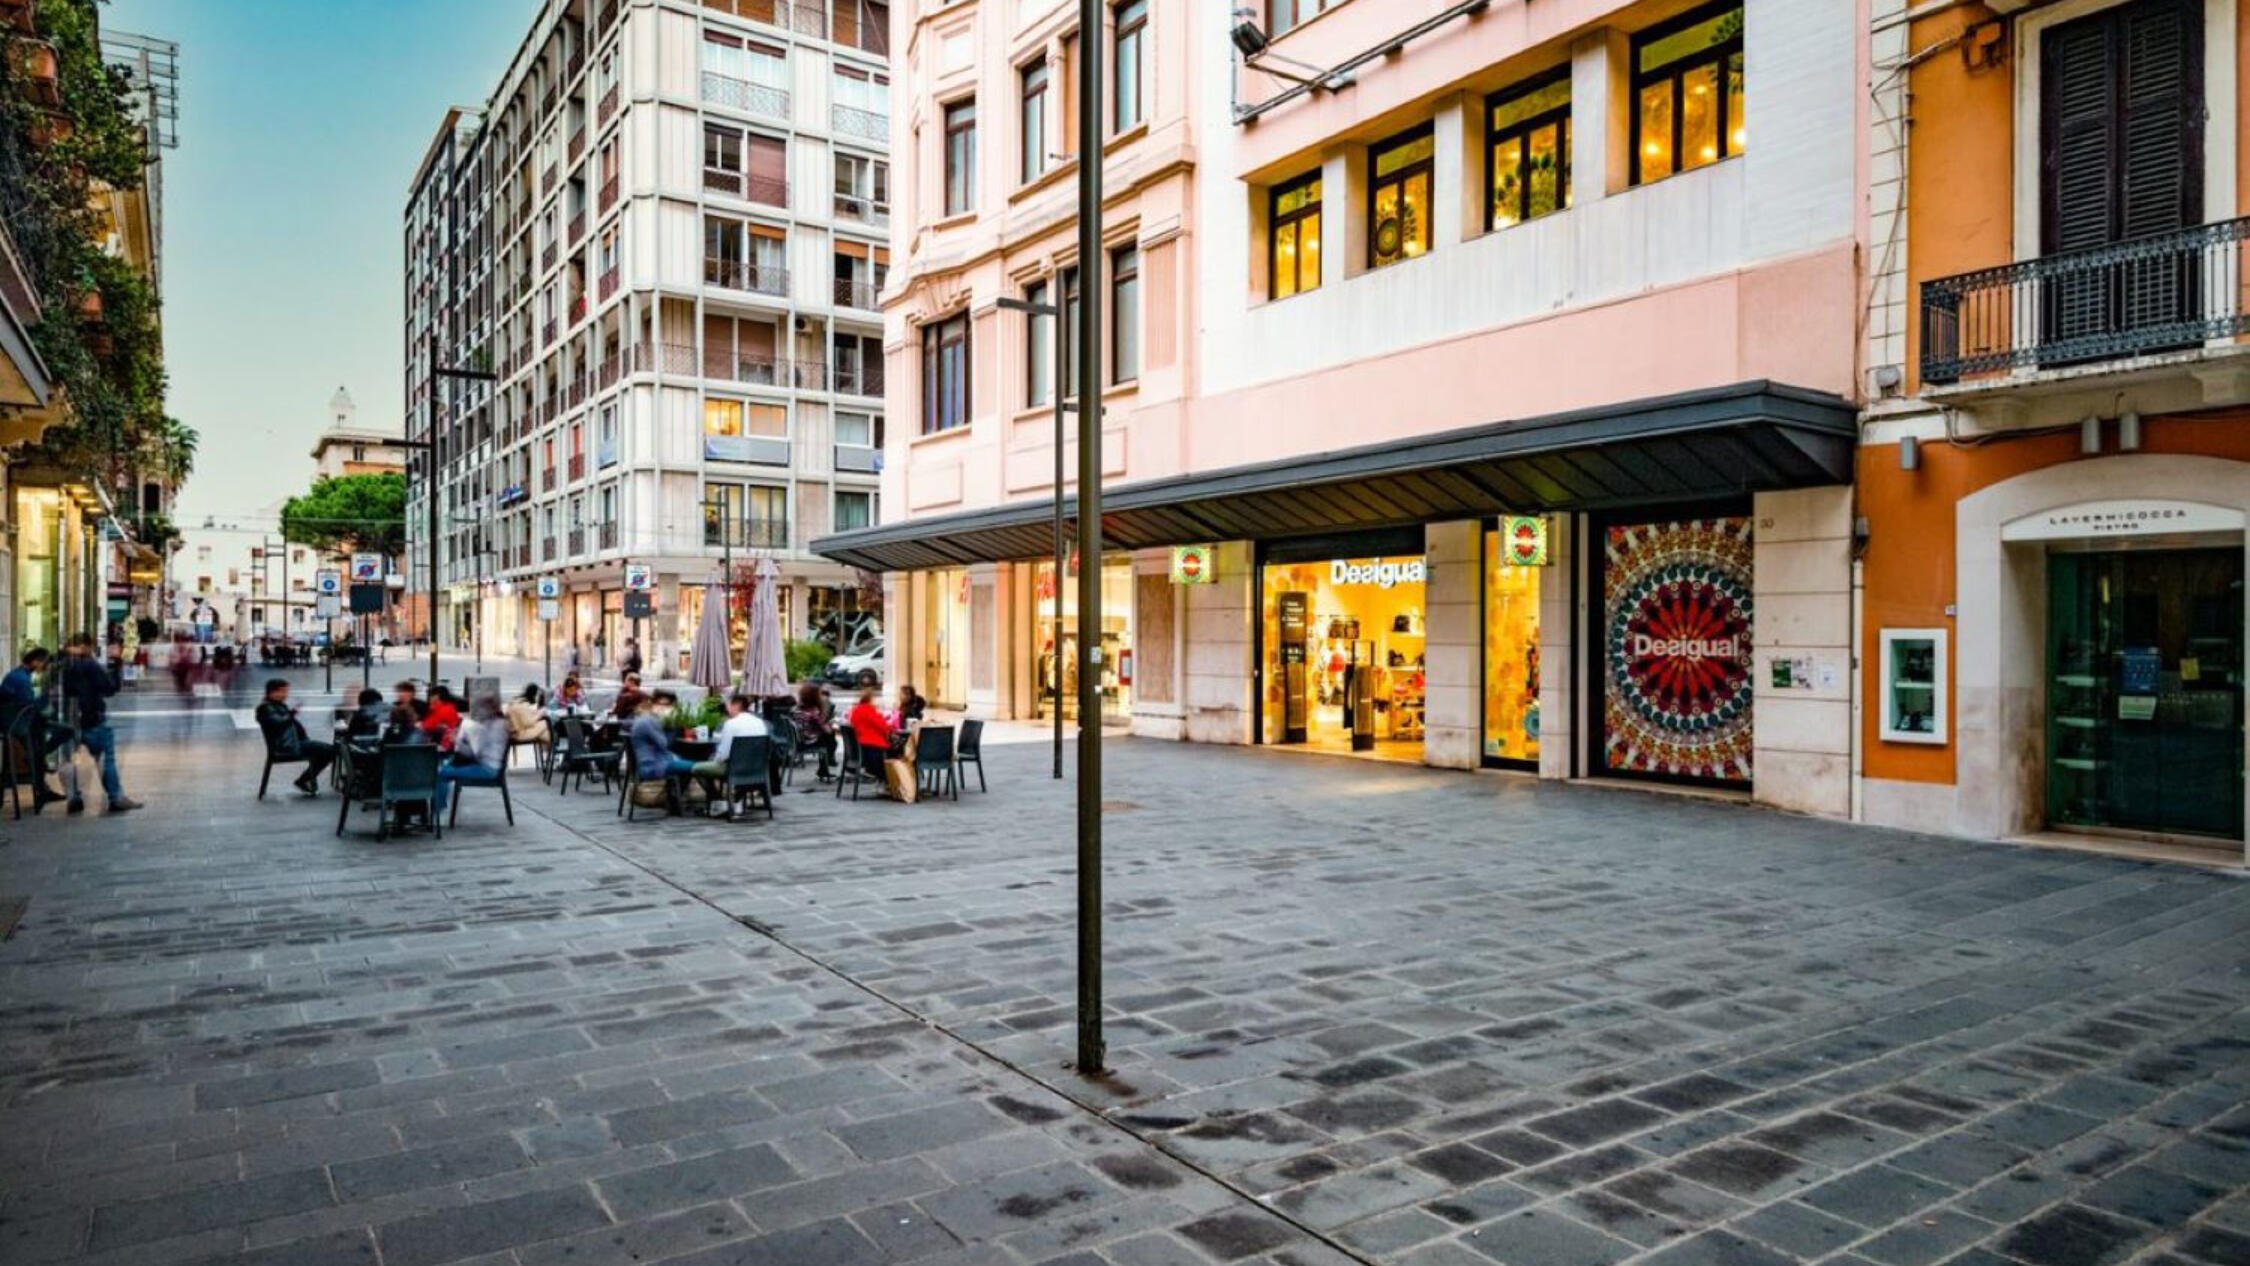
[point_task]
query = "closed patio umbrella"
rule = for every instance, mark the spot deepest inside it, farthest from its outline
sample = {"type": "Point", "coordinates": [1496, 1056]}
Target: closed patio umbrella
{"type": "Point", "coordinates": [765, 666]}
{"type": "Point", "coordinates": [708, 661]}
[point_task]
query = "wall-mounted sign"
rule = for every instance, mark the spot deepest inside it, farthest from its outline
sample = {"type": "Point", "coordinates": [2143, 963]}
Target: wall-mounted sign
{"type": "Point", "coordinates": [639, 578]}
{"type": "Point", "coordinates": [1523, 541]}
{"type": "Point", "coordinates": [367, 569]}
{"type": "Point", "coordinates": [1383, 573]}
{"type": "Point", "coordinates": [1194, 564]}
{"type": "Point", "coordinates": [2137, 516]}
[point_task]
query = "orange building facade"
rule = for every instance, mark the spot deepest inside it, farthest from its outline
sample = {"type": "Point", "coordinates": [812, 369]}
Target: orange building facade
{"type": "Point", "coordinates": [2055, 463]}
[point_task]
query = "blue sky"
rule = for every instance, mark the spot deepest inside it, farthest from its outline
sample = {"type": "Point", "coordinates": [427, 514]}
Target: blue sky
{"type": "Point", "coordinates": [301, 122]}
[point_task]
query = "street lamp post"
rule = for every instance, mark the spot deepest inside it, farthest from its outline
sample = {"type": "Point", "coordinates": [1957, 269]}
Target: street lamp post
{"type": "Point", "coordinates": [433, 448]}
{"type": "Point", "coordinates": [1091, 1052]}
{"type": "Point", "coordinates": [1062, 538]}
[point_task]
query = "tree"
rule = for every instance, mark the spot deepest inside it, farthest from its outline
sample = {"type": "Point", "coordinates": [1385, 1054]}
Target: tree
{"type": "Point", "coordinates": [364, 513]}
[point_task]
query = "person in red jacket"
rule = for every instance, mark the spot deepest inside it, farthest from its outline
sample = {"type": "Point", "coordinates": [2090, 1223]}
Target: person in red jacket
{"type": "Point", "coordinates": [444, 719]}
{"type": "Point", "coordinates": [874, 730]}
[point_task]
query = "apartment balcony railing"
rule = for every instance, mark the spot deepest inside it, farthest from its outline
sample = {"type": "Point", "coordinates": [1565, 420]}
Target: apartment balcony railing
{"type": "Point", "coordinates": [608, 106]}
{"type": "Point", "coordinates": [548, 331]}
{"type": "Point", "coordinates": [523, 554]}
{"type": "Point", "coordinates": [735, 274]}
{"type": "Point", "coordinates": [720, 180]}
{"type": "Point", "coordinates": [577, 472]}
{"type": "Point", "coordinates": [863, 210]}
{"type": "Point", "coordinates": [858, 459]}
{"type": "Point", "coordinates": [609, 193]}
{"type": "Point", "coordinates": [852, 293]}
{"type": "Point", "coordinates": [809, 375]}
{"type": "Point", "coordinates": [577, 308]}
{"type": "Point", "coordinates": [609, 536]}
{"type": "Point", "coordinates": [547, 180]}
{"type": "Point", "coordinates": [860, 380]}
{"type": "Point", "coordinates": [741, 94]}
{"type": "Point", "coordinates": [763, 371]}
{"type": "Point", "coordinates": [803, 18]}
{"type": "Point", "coordinates": [577, 227]}
{"type": "Point", "coordinates": [608, 285]}
{"type": "Point", "coordinates": [765, 190]}
{"type": "Point", "coordinates": [547, 549]}
{"type": "Point", "coordinates": [612, 368]}
{"type": "Point", "coordinates": [547, 481]}
{"type": "Point", "coordinates": [548, 99]}
{"type": "Point", "coordinates": [548, 255]}
{"type": "Point", "coordinates": [575, 394]}
{"type": "Point", "coordinates": [867, 125]}
{"type": "Point", "coordinates": [678, 358]}
{"type": "Point", "coordinates": [577, 541]}
{"type": "Point", "coordinates": [2164, 292]}
{"type": "Point", "coordinates": [577, 145]}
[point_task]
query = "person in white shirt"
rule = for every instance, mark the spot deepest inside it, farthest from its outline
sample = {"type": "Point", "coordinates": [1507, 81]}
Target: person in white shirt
{"type": "Point", "coordinates": [742, 721]}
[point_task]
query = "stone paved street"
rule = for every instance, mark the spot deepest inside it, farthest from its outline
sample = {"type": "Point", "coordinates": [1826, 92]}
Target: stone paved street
{"type": "Point", "coordinates": [1358, 1013]}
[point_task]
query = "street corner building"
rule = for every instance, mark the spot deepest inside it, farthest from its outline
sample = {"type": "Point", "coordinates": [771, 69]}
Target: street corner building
{"type": "Point", "coordinates": [1481, 384]}
{"type": "Point", "coordinates": [663, 236]}
{"type": "Point", "coordinates": [2056, 461]}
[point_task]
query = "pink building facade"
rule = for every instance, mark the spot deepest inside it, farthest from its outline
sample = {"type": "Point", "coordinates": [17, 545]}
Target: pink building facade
{"type": "Point", "coordinates": [1487, 400]}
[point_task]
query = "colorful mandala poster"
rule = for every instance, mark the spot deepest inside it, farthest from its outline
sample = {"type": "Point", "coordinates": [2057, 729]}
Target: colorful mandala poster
{"type": "Point", "coordinates": [1676, 655]}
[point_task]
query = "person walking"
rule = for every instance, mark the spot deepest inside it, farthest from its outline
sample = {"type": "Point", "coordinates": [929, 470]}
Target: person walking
{"type": "Point", "coordinates": [286, 737]}
{"type": "Point", "coordinates": [632, 661]}
{"type": "Point", "coordinates": [87, 685]}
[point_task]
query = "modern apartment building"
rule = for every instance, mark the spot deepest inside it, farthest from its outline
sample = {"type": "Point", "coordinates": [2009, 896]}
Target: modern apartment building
{"type": "Point", "coordinates": [665, 234]}
{"type": "Point", "coordinates": [2055, 471]}
{"type": "Point", "coordinates": [1480, 387]}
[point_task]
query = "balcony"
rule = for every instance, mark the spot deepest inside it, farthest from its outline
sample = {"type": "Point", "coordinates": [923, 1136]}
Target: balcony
{"type": "Point", "coordinates": [577, 472]}
{"type": "Point", "coordinates": [547, 481]}
{"type": "Point", "coordinates": [609, 193]}
{"type": "Point", "coordinates": [608, 284]}
{"type": "Point", "coordinates": [547, 180]}
{"type": "Point", "coordinates": [809, 375]}
{"type": "Point", "coordinates": [753, 278]}
{"type": "Point", "coordinates": [761, 371]}
{"type": "Point", "coordinates": [577, 144]}
{"type": "Point", "coordinates": [803, 18]}
{"type": "Point", "coordinates": [741, 94]}
{"type": "Point", "coordinates": [523, 554]}
{"type": "Point", "coordinates": [764, 190]}
{"type": "Point", "coordinates": [863, 210]}
{"type": "Point", "coordinates": [548, 255]}
{"type": "Point", "coordinates": [2168, 292]}
{"type": "Point", "coordinates": [547, 549]}
{"type": "Point", "coordinates": [612, 367]}
{"type": "Point", "coordinates": [860, 380]}
{"type": "Point", "coordinates": [857, 27]}
{"type": "Point", "coordinates": [609, 536]}
{"type": "Point", "coordinates": [577, 227]}
{"type": "Point", "coordinates": [857, 294]}
{"type": "Point", "coordinates": [548, 331]}
{"type": "Point", "coordinates": [578, 308]}
{"type": "Point", "coordinates": [678, 358]}
{"type": "Point", "coordinates": [866, 125]}
{"type": "Point", "coordinates": [858, 459]}
{"type": "Point", "coordinates": [577, 541]}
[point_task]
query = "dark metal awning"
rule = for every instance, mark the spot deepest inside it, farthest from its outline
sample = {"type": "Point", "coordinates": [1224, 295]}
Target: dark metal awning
{"type": "Point", "coordinates": [1750, 437]}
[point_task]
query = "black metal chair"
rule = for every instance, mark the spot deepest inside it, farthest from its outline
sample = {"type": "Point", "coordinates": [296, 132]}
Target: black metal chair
{"type": "Point", "coordinates": [970, 751]}
{"type": "Point", "coordinates": [750, 770]}
{"type": "Point", "coordinates": [785, 756]}
{"type": "Point", "coordinates": [359, 779]}
{"type": "Point", "coordinates": [453, 814]}
{"type": "Point", "coordinates": [276, 756]}
{"type": "Point", "coordinates": [852, 768]}
{"type": "Point", "coordinates": [934, 772]}
{"type": "Point", "coordinates": [409, 777]}
{"type": "Point", "coordinates": [20, 756]}
{"type": "Point", "coordinates": [578, 759]}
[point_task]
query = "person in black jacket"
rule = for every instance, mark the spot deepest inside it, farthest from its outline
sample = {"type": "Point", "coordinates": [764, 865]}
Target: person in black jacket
{"type": "Point", "coordinates": [87, 685]}
{"type": "Point", "coordinates": [286, 737]}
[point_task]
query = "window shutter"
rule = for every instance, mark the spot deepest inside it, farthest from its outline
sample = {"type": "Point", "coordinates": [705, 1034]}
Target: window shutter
{"type": "Point", "coordinates": [2163, 117]}
{"type": "Point", "coordinates": [2078, 115]}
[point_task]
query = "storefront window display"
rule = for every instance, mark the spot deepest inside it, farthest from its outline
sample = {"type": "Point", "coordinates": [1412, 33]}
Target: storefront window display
{"type": "Point", "coordinates": [945, 638]}
{"type": "Point", "coordinates": [1343, 647]}
{"type": "Point", "coordinates": [1674, 671]}
{"type": "Point", "coordinates": [38, 568]}
{"type": "Point", "coordinates": [1056, 651]}
{"type": "Point", "coordinates": [1515, 557]}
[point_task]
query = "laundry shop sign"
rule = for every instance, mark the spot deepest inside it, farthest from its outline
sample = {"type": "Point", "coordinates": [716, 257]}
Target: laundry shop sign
{"type": "Point", "coordinates": [1381, 572]}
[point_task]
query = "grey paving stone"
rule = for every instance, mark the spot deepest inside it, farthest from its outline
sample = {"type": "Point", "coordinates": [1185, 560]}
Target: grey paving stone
{"type": "Point", "coordinates": [490, 1226]}
{"type": "Point", "coordinates": [888, 1138]}
{"type": "Point", "coordinates": [719, 1176]}
{"type": "Point", "coordinates": [1798, 1230]}
{"type": "Point", "coordinates": [294, 1083]}
{"type": "Point", "coordinates": [208, 1208]}
{"type": "Point", "coordinates": [1875, 1196]}
{"type": "Point", "coordinates": [425, 1167]}
{"type": "Point", "coordinates": [832, 1243]}
{"type": "Point", "coordinates": [1232, 1236]}
{"type": "Point", "coordinates": [1544, 1237]}
{"type": "Point", "coordinates": [1932, 1237]}
{"type": "Point", "coordinates": [687, 1116]}
{"type": "Point", "coordinates": [2072, 1236]}
{"type": "Point", "coordinates": [1717, 1248]}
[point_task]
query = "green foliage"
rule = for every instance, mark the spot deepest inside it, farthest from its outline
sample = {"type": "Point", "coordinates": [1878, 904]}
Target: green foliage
{"type": "Point", "coordinates": [350, 512]}
{"type": "Point", "coordinates": [806, 660]}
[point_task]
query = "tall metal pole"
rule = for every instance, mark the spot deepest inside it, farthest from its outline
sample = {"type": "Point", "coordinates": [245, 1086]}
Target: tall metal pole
{"type": "Point", "coordinates": [1062, 535]}
{"type": "Point", "coordinates": [1091, 1048]}
{"type": "Point", "coordinates": [429, 493]}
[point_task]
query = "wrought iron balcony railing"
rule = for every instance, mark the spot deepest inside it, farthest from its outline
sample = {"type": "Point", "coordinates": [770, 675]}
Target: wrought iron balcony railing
{"type": "Point", "coordinates": [609, 536]}
{"type": "Point", "coordinates": [2159, 293]}
{"type": "Point", "coordinates": [609, 103]}
{"type": "Point", "coordinates": [735, 274]}
{"type": "Point", "coordinates": [741, 94]}
{"type": "Point", "coordinates": [867, 125]}
{"type": "Point", "coordinates": [852, 293]}
{"type": "Point", "coordinates": [608, 285]}
{"type": "Point", "coordinates": [860, 380]}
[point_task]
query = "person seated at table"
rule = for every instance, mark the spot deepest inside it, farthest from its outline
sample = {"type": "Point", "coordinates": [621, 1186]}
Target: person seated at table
{"type": "Point", "coordinates": [911, 706]}
{"type": "Point", "coordinates": [286, 737]}
{"type": "Point", "coordinates": [570, 697]}
{"type": "Point", "coordinates": [403, 727]}
{"type": "Point", "coordinates": [629, 697]}
{"type": "Point", "coordinates": [527, 719]}
{"type": "Point", "coordinates": [814, 729]}
{"type": "Point", "coordinates": [443, 720]}
{"type": "Point", "coordinates": [652, 744]}
{"type": "Point", "coordinates": [874, 730]}
{"type": "Point", "coordinates": [742, 721]}
{"type": "Point", "coordinates": [480, 751]}
{"type": "Point", "coordinates": [21, 689]}
{"type": "Point", "coordinates": [366, 720]}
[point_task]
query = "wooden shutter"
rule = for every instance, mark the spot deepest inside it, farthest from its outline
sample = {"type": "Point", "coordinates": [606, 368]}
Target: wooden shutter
{"type": "Point", "coordinates": [2121, 116]}
{"type": "Point", "coordinates": [2078, 122]}
{"type": "Point", "coordinates": [2162, 124]}
{"type": "Point", "coordinates": [769, 159]}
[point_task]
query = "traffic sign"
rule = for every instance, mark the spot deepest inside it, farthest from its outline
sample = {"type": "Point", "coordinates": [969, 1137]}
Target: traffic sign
{"type": "Point", "coordinates": [639, 577]}
{"type": "Point", "coordinates": [549, 587]}
{"type": "Point", "coordinates": [367, 568]}
{"type": "Point", "coordinates": [327, 606]}
{"type": "Point", "coordinates": [638, 606]}
{"type": "Point", "coordinates": [549, 609]}
{"type": "Point", "coordinates": [328, 582]}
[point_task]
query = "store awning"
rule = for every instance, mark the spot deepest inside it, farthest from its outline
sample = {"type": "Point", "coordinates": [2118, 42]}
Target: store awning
{"type": "Point", "coordinates": [1750, 437]}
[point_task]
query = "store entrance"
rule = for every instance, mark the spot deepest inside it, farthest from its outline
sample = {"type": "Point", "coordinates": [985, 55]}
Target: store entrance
{"type": "Point", "coordinates": [2145, 691]}
{"type": "Point", "coordinates": [1343, 646]}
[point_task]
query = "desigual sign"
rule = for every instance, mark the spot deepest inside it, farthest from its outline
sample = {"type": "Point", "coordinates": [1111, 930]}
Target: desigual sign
{"type": "Point", "coordinates": [1381, 573]}
{"type": "Point", "coordinates": [1691, 649]}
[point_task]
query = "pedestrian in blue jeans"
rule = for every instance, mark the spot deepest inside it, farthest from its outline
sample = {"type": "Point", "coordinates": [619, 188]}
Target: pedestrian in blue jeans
{"type": "Point", "coordinates": [480, 751]}
{"type": "Point", "coordinates": [87, 685]}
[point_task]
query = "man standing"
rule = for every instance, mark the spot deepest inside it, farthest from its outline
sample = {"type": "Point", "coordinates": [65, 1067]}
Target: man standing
{"type": "Point", "coordinates": [87, 685]}
{"type": "Point", "coordinates": [286, 737]}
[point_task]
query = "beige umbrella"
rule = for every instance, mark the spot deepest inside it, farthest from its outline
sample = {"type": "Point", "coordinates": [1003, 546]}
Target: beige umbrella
{"type": "Point", "coordinates": [765, 665]}
{"type": "Point", "coordinates": [707, 657]}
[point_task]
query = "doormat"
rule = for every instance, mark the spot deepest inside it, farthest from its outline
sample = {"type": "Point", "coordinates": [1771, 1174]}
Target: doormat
{"type": "Point", "coordinates": [11, 913]}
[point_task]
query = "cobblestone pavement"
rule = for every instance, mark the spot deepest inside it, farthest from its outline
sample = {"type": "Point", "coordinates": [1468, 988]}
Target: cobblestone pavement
{"type": "Point", "coordinates": [1357, 1013]}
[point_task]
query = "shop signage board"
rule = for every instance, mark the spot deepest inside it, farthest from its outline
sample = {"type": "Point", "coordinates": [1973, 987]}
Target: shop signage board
{"type": "Point", "coordinates": [639, 578]}
{"type": "Point", "coordinates": [1676, 617]}
{"type": "Point", "coordinates": [2138, 516]}
{"type": "Point", "coordinates": [367, 568]}
{"type": "Point", "coordinates": [1523, 541]}
{"type": "Point", "coordinates": [1194, 565]}
{"type": "Point", "coordinates": [1383, 573]}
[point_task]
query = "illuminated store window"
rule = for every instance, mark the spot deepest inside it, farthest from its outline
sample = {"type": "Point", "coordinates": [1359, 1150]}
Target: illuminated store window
{"type": "Point", "coordinates": [1530, 149]}
{"type": "Point", "coordinates": [1398, 196]}
{"type": "Point", "coordinates": [1688, 93]}
{"type": "Point", "coordinates": [1295, 233]}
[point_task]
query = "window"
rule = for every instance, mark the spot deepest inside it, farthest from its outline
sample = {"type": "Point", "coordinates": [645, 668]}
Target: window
{"type": "Point", "coordinates": [1038, 349]}
{"type": "Point", "coordinates": [1398, 197]}
{"type": "Point", "coordinates": [1032, 120]}
{"type": "Point", "coordinates": [1283, 16]}
{"type": "Point", "coordinates": [605, 442]}
{"type": "Point", "coordinates": [722, 152]}
{"type": "Point", "coordinates": [869, 93]}
{"type": "Point", "coordinates": [1529, 126]}
{"type": "Point", "coordinates": [854, 510]}
{"type": "Point", "coordinates": [1295, 233]}
{"type": "Point", "coordinates": [609, 505]}
{"type": "Point", "coordinates": [1687, 92]}
{"type": "Point", "coordinates": [945, 374]}
{"type": "Point", "coordinates": [1125, 315]}
{"type": "Point", "coordinates": [765, 514]}
{"type": "Point", "coordinates": [1132, 34]}
{"type": "Point", "coordinates": [859, 430]}
{"type": "Point", "coordinates": [960, 157]}
{"type": "Point", "coordinates": [1070, 333]}
{"type": "Point", "coordinates": [863, 187]}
